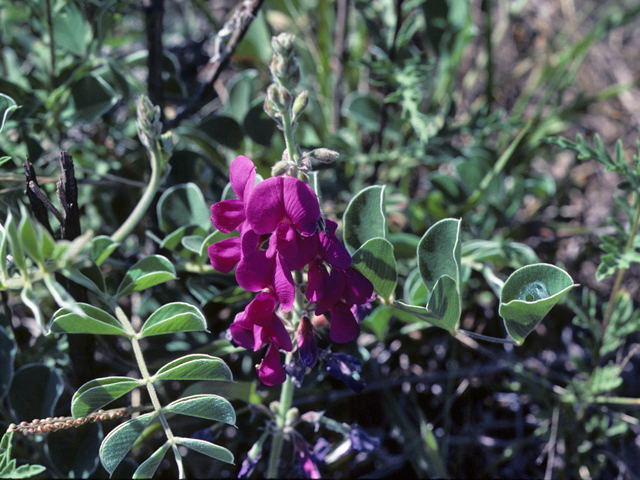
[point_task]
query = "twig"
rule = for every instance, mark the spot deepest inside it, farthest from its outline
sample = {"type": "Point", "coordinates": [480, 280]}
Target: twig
{"type": "Point", "coordinates": [227, 40]}
{"type": "Point", "coordinates": [154, 13]}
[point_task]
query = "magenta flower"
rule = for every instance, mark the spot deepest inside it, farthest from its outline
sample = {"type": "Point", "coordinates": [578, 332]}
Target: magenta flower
{"type": "Point", "coordinates": [281, 230]}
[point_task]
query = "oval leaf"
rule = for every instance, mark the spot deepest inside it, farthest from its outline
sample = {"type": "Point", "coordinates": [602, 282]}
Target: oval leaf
{"type": "Point", "coordinates": [174, 317]}
{"type": "Point", "coordinates": [92, 97]}
{"type": "Point", "coordinates": [364, 218]}
{"type": "Point", "coordinates": [7, 106]}
{"type": "Point", "coordinates": [34, 391]}
{"type": "Point", "coordinates": [206, 448]}
{"type": "Point", "coordinates": [146, 273]}
{"type": "Point", "coordinates": [150, 465]}
{"type": "Point", "coordinates": [183, 205]}
{"type": "Point", "coordinates": [102, 248]}
{"type": "Point", "coordinates": [96, 321]}
{"type": "Point", "coordinates": [195, 367]}
{"type": "Point", "coordinates": [75, 453]}
{"type": "Point", "coordinates": [528, 295]}
{"type": "Point", "coordinates": [209, 407]}
{"type": "Point", "coordinates": [443, 309]}
{"type": "Point", "coordinates": [439, 252]}
{"type": "Point", "coordinates": [375, 260]}
{"type": "Point", "coordinates": [8, 349]}
{"type": "Point", "coordinates": [120, 440]}
{"type": "Point", "coordinates": [97, 393]}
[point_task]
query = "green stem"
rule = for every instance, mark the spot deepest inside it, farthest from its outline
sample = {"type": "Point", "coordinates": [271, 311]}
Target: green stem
{"type": "Point", "coordinates": [286, 399]}
{"type": "Point", "coordinates": [287, 127]}
{"type": "Point", "coordinates": [155, 156]}
{"type": "Point", "coordinates": [153, 395]}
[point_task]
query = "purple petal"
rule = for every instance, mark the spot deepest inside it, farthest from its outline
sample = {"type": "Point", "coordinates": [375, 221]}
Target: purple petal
{"type": "Point", "coordinates": [344, 327]}
{"type": "Point", "coordinates": [255, 271]}
{"type": "Point", "coordinates": [301, 205]}
{"type": "Point", "coordinates": [307, 346]}
{"type": "Point", "coordinates": [307, 460]}
{"type": "Point", "coordinates": [227, 215]}
{"type": "Point", "coordinates": [330, 248]}
{"type": "Point", "coordinates": [283, 283]}
{"type": "Point", "coordinates": [286, 241]}
{"type": "Point", "coordinates": [271, 371]}
{"type": "Point", "coordinates": [317, 277]}
{"type": "Point", "coordinates": [242, 176]}
{"type": "Point", "coordinates": [260, 310]}
{"type": "Point", "coordinates": [278, 334]}
{"type": "Point", "coordinates": [225, 255]}
{"type": "Point", "coordinates": [359, 289]}
{"type": "Point", "coordinates": [307, 251]}
{"type": "Point", "coordinates": [334, 290]}
{"type": "Point", "coordinates": [242, 332]}
{"type": "Point", "coordinates": [361, 442]}
{"type": "Point", "coordinates": [265, 207]}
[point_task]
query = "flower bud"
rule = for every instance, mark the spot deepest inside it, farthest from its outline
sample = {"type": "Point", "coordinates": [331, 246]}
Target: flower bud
{"type": "Point", "coordinates": [292, 415]}
{"type": "Point", "coordinates": [323, 155]}
{"type": "Point", "coordinates": [300, 103]}
{"type": "Point", "coordinates": [280, 168]}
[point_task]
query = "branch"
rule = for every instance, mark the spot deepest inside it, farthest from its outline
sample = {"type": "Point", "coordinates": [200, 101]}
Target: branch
{"type": "Point", "coordinates": [226, 42]}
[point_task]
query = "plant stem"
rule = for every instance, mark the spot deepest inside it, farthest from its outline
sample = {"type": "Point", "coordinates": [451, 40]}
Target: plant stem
{"type": "Point", "coordinates": [286, 399]}
{"type": "Point", "coordinates": [155, 157]}
{"type": "Point", "coordinates": [153, 395]}
{"type": "Point", "coordinates": [287, 128]}
{"type": "Point", "coordinates": [618, 283]}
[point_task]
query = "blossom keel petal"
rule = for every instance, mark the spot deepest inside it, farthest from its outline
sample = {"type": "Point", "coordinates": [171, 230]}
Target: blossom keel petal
{"type": "Point", "coordinates": [271, 371]}
{"type": "Point", "coordinates": [344, 327]}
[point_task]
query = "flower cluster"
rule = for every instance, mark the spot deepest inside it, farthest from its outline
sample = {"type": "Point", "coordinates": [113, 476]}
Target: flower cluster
{"type": "Point", "coordinates": [281, 230]}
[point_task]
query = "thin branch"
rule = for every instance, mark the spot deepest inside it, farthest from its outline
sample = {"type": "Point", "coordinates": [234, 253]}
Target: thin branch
{"type": "Point", "coordinates": [227, 40]}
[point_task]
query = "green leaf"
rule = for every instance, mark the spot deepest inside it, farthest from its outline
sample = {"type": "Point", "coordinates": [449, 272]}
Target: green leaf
{"type": "Point", "coordinates": [150, 465]}
{"type": "Point", "coordinates": [183, 205]}
{"type": "Point", "coordinates": [365, 218]}
{"type": "Point", "coordinates": [378, 321]}
{"type": "Point", "coordinates": [97, 393]}
{"type": "Point", "coordinates": [29, 237]}
{"type": "Point", "coordinates": [528, 295]}
{"type": "Point", "coordinates": [4, 159]}
{"type": "Point", "coordinates": [241, 94]}
{"type": "Point", "coordinates": [89, 276]}
{"type": "Point", "coordinates": [7, 106]}
{"type": "Point", "coordinates": [443, 309]}
{"type": "Point", "coordinates": [364, 109]}
{"type": "Point", "coordinates": [223, 130]}
{"type": "Point", "coordinates": [8, 465]}
{"type": "Point", "coordinates": [174, 317]}
{"type": "Point", "coordinates": [34, 391]}
{"type": "Point", "coordinates": [8, 349]}
{"type": "Point", "coordinates": [4, 274]}
{"type": "Point", "coordinates": [117, 444]}
{"type": "Point", "coordinates": [29, 298]}
{"type": "Point", "coordinates": [95, 321]}
{"type": "Point", "coordinates": [209, 449]}
{"type": "Point", "coordinates": [195, 367]}
{"type": "Point", "coordinates": [605, 379]}
{"type": "Point", "coordinates": [71, 29]}
{"type": "Point", "coordinates": [209, 407]}
{"type": "Point", "coordinates": [414, 291]}
{"type": "Point", "coordinates": [102, 248]}
{"type": "Point", "coordinates": [75, 453]}
{"type": "Point", "coordinates": [146, 273]}
{"type": "Point", "coordinates": [92, 97]}
{"type": "Point", "coordinates": [375, 260]}
{"type": "Point", "coordinates": [499, 252]}
{"type": "Point", "coordinates": [14, 242]}
{"type": "Point", "coordinates": [258, 125]}
{"type": "Point", "coordinates": [439, 252]}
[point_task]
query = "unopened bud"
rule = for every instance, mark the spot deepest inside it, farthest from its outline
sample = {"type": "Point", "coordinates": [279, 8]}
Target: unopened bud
{"type": "Point", "coordinates": [283, 44]}
{"type": "Point", "coordinates": [280, 168]}
{"type": "Point", "coordinates": [305, 164]}
{"type": "Point", "coordinates": [292, 415]}
{"type": "Point", "coordinates": [300, 103]}
{"type": "Point", "coordinates": [323, 155]}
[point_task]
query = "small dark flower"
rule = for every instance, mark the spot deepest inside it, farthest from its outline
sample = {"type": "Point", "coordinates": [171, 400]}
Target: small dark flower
{"type": "Point", "coordinates": [306, 457]}
{"type": "Point", "coordinates": [361, 442]}
{"type": "Point", "coordinates": [321, 448]}
{"type": "Point", "coordinates": [345, 368]}
{"type": "Point", "coordinates": [296, 370]}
